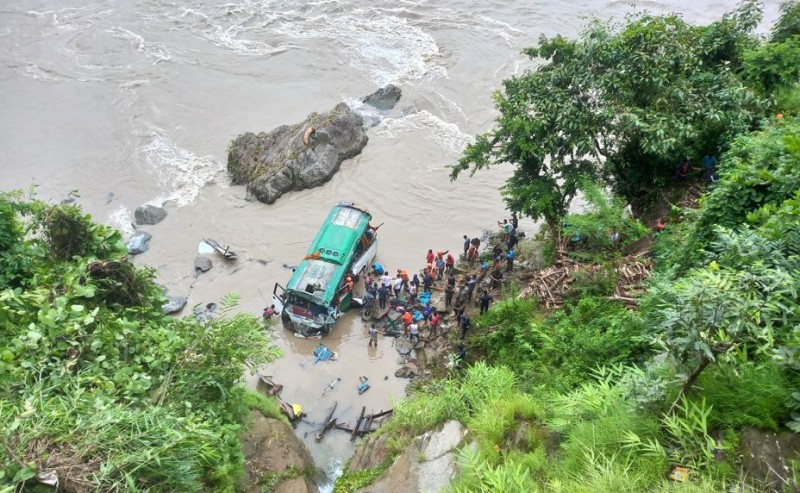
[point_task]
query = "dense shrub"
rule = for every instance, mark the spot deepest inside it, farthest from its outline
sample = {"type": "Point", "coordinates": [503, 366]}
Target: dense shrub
{"type": "Point", "coordinates": [97, 383]}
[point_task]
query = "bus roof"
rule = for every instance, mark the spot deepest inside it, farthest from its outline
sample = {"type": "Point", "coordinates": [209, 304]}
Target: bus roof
{"type": "Point", "coordinates": [317, 278]}
{"type": "Point", "coordinates": [339, 235]}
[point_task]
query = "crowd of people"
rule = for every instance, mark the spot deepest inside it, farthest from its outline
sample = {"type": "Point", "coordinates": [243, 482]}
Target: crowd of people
{"type": "Point", "coordinates": [410, 294]}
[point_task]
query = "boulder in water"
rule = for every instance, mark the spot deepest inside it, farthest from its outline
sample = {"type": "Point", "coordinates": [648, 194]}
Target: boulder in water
{"type": "Point", "coordinates": [138, 242]}
{"type": "Point", "coordinates": [384, 98]}
{"type": "Point", "coordinates": [150, 214]}
{"type": "Point", "coordinates": [202, 264]}
{"type": "Point", "coordinates": [271, 164]}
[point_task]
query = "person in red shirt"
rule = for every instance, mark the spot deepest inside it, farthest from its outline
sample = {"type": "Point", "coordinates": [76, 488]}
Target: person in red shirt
{"type": "Point", "coordinates": [435, 320]}
{"type": "Point", "coordinates": [450, 262]}
{"type": "Point", "coordinates": [430, 257]}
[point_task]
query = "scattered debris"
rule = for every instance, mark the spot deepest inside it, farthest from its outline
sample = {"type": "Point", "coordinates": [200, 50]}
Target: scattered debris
{"type": "Point", "coordinates": [678, 474]}
{"type": "Point", "coordinates": [329, 423]}
{"type": "Point", "coordinates": [364, 423]}
{"type": "Point", "coordinates": [224, 251]}
{"type": "Point", "coordinates": [552, 285]}
{"type": "Point", "coordinates": [363, 386]}
{"type": "Point", "coordinates": [330, 386]}
{"type": "Point", "coordinates": [324, 354]}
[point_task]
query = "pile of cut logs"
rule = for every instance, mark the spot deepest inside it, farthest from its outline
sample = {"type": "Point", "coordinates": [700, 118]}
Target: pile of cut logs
{"type": "Point", "coordinates": [551, 285]}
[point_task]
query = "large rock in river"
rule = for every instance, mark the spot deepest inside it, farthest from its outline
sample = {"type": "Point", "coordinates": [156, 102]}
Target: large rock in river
{"type": "Point", "coordinates": [296, 157]}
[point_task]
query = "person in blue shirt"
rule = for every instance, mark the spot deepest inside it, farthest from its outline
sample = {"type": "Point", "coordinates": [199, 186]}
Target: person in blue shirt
{"type": "Point", "coordinates": [709, 166]}
{"type": "Point", "coordinates": [378, 269]}
{"type": "Point", "coordinates": [510, 256]}
{"type": "Point", "coordinates": [427, 311]}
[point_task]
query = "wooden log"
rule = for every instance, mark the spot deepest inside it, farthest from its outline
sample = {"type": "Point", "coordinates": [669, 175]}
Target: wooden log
{"type": "Point", "coordinates": [327, 424]}
{"type": "Point", "coordinates": [358, 421]}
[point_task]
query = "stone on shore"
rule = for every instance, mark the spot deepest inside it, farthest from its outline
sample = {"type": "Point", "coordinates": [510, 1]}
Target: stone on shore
{"type": "Point", "coordinates": [138, 243]}
{"type": "Point", "coordinates": [149, 214]}
{"type": "Point", "coordinates": [384, 98]}
{"type": "Point", "coordinates": [296, 157]}
{"type": "Point", "coordinates": [174, 304]}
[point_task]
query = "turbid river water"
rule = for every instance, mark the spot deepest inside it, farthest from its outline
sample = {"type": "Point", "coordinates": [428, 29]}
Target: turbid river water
{"type": "Point", "coordinates": [134, 102]}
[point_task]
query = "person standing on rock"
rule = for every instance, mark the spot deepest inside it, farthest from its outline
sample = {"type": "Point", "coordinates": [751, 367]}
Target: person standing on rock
{"type": "Point", "coordinates": [427, 282]}
{"type": "Point", "coordinates": [398, 286]}
{"type": "Point", "coordinates": [429, 258]}
{"type": "Point", "coordinates": [485, 300]}
{"type": "Point", "coordinates": [383, 293]}
{"type": "Point", "coordinates": [466, 246]}
{"type": "Point", "coordinates": [435, 321]}
{"type": "Point", "coordinates": [413, 332]}
{"type": "Point", "coordinates": [415, 281]}
{"type": "Point", "coordinates": [471, 283]}
{"type": "Point", "coordinates": [510, 256]}
{"type": "Point", "coordinates": [407, 319]}
{"type": "Point", "coordinates": [412, 294]}
{"type": "Point", "coordinates": [449, 263]}
{"type": "Point", "coordinates": [514, 220]}
{"type": "Point", "coordinates": [373, 336]}
{"type": "Point", "coordinates": [466, 324]}
{"type": "Point", "coordinates": [512, 241]}
{"type": "Point", "coordinates": [427, 311]}
{"type": "Point", "coordinates": [403, 274]}
{"type": "Point", "coordinates": [386, 281]}
{"type": "Point", "coordinates": [448, 295]}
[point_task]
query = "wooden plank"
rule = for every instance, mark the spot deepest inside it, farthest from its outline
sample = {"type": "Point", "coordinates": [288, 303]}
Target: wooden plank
{"type": "Point", "coordinates": [355, 428]}
{"type": "Point", "coordinates": [327, 424]}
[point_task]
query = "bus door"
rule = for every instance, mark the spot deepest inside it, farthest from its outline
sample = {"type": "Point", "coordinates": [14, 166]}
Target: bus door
{"type": "Point", "coordinates": [278, 297]}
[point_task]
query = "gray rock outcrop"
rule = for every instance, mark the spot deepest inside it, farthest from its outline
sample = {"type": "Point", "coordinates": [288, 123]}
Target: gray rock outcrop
{"type": "Point", "coordinates": [138, 243]}
{"type": "Point", "coordinates": [428, 464]}
{"type": "Point", "coordinates": [296, 157]}
{"type": "Point", "coordinates": [384, 98]}
{"type": "Point", "coordinates": [149, 214]}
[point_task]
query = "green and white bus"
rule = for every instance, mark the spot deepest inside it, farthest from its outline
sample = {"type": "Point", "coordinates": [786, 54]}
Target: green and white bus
{"type": "Point", "coordinates": [318, 292]}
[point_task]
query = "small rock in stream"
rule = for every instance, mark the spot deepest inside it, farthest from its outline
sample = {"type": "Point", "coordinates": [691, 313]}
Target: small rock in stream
{"type": "Point", "coordinates": [202, 264]}
{"type": "Point", "coordinates": [138, 242]}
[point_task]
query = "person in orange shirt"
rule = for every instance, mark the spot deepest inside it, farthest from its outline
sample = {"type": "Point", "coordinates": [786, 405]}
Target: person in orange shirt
{"type": "Point", "coordinates": [407, 319]}
{"type": "Point", "coordinates": [403, 274]}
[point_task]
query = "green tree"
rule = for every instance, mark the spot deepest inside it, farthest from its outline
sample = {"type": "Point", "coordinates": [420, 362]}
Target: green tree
{"type": "Point", "coordinates": [788, 24]}
{"type": "Point", "coordinates": [621, 103]}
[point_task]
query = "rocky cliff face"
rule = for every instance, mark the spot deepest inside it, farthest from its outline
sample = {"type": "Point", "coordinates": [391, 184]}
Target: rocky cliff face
{"type": "Point", "coordinates": [428, 464]}
{"type": "Point", "coordinates": [275, 459]}
{"type": "Point", "coordinates": [296, 157]}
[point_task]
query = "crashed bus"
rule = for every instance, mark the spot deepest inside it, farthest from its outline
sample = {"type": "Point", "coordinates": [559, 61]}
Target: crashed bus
{"type": "Point", "coordinates": [318, 293]}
